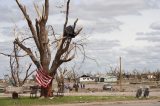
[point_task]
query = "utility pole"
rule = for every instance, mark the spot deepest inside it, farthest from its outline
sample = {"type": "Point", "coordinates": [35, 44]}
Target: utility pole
{"type": "Point", "coordinates": [120, 73]}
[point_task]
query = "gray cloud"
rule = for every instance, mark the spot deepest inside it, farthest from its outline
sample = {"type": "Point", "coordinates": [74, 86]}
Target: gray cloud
{"type": "Point", "coordinates": [153, 33]}
{"type": "Point", "coordinates": [103, 12]}
{"type": "Point", "coordinates": [102, 8]}
{"type": "Point", "coordinates": [150, 39]}
{"type": "Point", "coordinates": [103, 45]}
{"type": "Point", "coordinates": [132, 57]}
{"type": "Point", "coordinates": [155, 26]}
{"type": "Point", "coordinates": [105, 25]}
{"type": "Point", "coordinates": [152, 36]}
{"type": "Point", "coordinates": [141, 58]}
{"type": "Point", "coordinates": [8, 12]}
{"type": "Point", "coordinates": [153, 3]}
{"type": "Point", "coordinates": [104, 52]}
{"type": "Point", "coordinates": [98, 11]}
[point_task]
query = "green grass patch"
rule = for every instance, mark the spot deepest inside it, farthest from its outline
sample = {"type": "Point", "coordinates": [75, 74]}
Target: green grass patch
{"type": "Point", "coordinates": [26, 101]}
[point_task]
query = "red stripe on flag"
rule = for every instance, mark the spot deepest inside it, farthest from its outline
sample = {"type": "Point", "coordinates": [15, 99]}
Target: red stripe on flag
{"type": "Point", "coordinates": [40, 82]}
{"type": "Point", "coordinates": [44, 74]}
{"type": "Point", "coordinates": [42, 78]}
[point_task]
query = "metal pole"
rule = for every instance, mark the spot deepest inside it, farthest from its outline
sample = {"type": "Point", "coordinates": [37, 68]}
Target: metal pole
{"type": "Point", "coordinates": [120, 72]}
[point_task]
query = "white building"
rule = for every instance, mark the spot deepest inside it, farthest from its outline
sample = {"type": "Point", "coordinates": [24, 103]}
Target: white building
{"type": "Point", "coordinates": [106, 78]}
{"type": "Point", "coordinates": [85, 78]}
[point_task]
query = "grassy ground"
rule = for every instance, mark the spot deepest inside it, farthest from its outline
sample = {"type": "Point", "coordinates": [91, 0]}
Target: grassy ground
{"type": "Point", "coordinates": [26, 101]}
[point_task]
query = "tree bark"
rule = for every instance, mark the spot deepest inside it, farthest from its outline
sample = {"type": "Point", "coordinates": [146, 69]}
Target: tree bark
{"type": "Point", "coordinates": [47, 92]}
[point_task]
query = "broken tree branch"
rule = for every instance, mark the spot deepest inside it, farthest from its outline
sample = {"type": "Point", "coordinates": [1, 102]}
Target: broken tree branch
{"type": "Point", "coordinates": [32, 29]}
{"type": "Point", "coordinates": [66, 20]}
{"type": "Point", "coordinates": [9, 55]}
{"type": "Point", "coordinates": [46, 10]}
{"type": "Point", "coordinates": [28, 51]}
{"type": "Point", "coordinates": [27, 74]}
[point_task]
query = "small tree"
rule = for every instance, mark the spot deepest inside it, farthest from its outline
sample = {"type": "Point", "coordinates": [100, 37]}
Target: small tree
{"type": "Point", "coordinates": [60, 77]}
{"type": "Point", "coordinates": [16, 68]}
{"type": "Point", "coordinates": [114, 71]}
{"type": "Point", "coordinates": [40, 34]}
{"type": "Point", "coordinates": [157, 75]}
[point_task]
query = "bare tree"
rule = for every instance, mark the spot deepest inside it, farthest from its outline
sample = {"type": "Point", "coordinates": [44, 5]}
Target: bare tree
{"type": "Point", "coordinates": [15, 75]}
{"type": "Point", "coordinates": [76, 80]}
{"type": "Point", "coordinates": [157, 75]}
{"type": "Point", "coordinates": [60, 77]}
{"type": "Point", "coordinates": [114, 71]}
{"type": "Point", "coordinates": [39, 32]}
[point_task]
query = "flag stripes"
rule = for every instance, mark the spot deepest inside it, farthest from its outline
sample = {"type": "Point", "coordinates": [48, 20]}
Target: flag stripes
{"type": "Point", "coordinates": [42, 78]}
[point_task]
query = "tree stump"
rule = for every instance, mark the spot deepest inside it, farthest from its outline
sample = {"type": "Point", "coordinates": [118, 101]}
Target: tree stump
{"type": "Point", "coordinates": [14, 95]}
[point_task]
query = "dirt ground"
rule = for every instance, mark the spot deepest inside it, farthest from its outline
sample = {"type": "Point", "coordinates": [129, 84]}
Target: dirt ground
{"type": "Point", "coordinates": [153, 92]}
{"type": "Point", "coordinates": [107, 93]}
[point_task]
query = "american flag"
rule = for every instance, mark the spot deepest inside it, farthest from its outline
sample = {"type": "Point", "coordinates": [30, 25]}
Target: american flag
{"type": "Point", "coordinates": [42, 78]}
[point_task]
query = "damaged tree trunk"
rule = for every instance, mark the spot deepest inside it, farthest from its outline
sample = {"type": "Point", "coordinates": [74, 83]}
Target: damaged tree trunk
{"type": "Point", "coordinates": [40, 35]}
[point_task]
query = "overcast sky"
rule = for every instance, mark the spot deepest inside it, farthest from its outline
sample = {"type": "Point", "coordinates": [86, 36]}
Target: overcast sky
{"type": "Point", "coordinates": [126, 28]}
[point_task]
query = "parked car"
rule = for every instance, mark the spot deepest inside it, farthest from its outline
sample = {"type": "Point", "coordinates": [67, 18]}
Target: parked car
{"type": "Point", "coordinates": [107, 87]}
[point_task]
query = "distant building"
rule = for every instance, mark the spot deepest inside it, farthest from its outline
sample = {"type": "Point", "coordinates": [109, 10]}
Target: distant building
{"type": "Point", "coordinates": [86, 78]}
{"type": "Point", "coordinates": [151, 76]}
{"type": "Point", "coordinates": [106, 78]}
{"type": "Point", "coordinates": [98, 78]}
{"type": "Point", "coordinates": [2, 81]}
